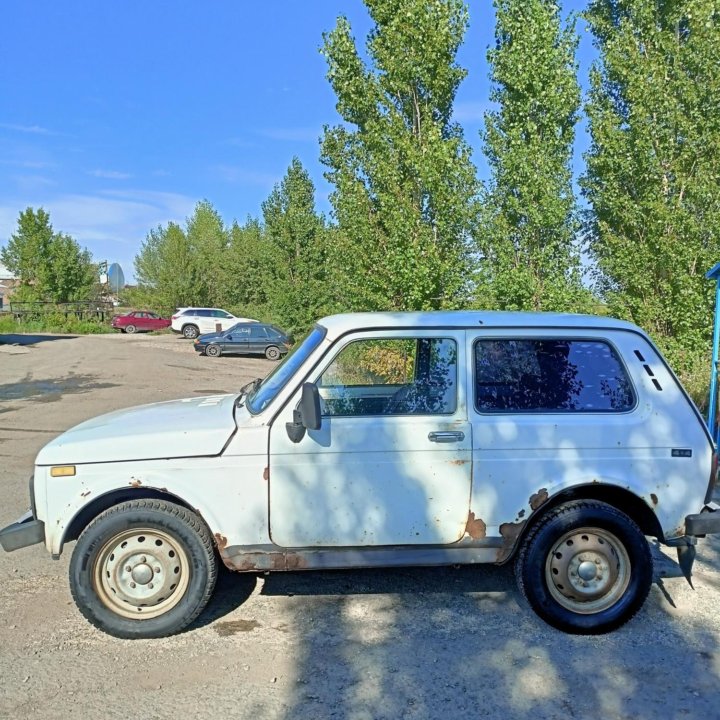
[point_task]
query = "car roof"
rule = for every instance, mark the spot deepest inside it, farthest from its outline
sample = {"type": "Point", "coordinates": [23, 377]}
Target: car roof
{"type": "Point", "coordinates": [339, 324]}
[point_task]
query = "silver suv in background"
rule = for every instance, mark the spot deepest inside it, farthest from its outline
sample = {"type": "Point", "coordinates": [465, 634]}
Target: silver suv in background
{"type": "Point", "coordinates": [194, 321]}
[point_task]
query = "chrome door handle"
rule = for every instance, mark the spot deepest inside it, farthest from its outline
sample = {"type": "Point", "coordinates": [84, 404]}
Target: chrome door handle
{"type": "Point", "coordinates": [446, 436]}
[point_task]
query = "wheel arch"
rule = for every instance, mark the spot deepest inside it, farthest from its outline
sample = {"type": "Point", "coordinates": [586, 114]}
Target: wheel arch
{"type": "Point", "coordinates": [104, 502]}
{"type": "Point", "coordinates": [616, 496]}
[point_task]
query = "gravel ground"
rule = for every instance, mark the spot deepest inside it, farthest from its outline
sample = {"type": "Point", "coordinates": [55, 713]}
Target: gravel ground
{"type": "Point", "coordinates": [428, 643]}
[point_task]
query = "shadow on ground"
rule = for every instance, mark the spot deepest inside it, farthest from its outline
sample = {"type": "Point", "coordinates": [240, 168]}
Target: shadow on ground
{"type": "Point", "coordinates": [23, 340]}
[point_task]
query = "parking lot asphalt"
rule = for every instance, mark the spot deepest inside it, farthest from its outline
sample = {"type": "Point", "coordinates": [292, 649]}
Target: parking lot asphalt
{"type": "Point", "coordinates": [413, 643]}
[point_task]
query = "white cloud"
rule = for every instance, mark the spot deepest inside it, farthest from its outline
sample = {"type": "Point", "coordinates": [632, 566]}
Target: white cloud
{"type": "Point", "coordinates": [28, 164]}
{"type": "Point", "coordinates": [32, 183]}
{"type": "Point", "coordinates": [110, 174]}
{"type": "Point", "coordinates": [300, 134]}
{"type": "Point", "coordinates": [112, 225]}
{"type": "Point", "coordinates": [242, 176]}
{"type": "Point", "coordinates": [33, 129]}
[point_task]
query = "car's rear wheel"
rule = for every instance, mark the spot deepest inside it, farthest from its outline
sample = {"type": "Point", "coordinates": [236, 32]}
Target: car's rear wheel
{"type": "Point", "coordinates": [143, 569]}
{"type": "Point", "coordinates": [213, 351]}
{"type": "Point", "coordinates": [585, 568]}
{"type": "Point", "coordinates": [272, 353]}
{"type": "Point", "coordinates": [130, 329]}
{"type": "Point", "coordinates": [190, 331]}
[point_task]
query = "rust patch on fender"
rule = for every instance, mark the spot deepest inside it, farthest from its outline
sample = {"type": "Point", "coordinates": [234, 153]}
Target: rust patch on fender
{"type": "Point", "coordinates": [537, 499]}
{"type": "Point", "coordinates": [85, 494]}
{"type": "Point", "coordinates": [458, 462]}
{"type": "Point", "coordinates": [475, 527]}
{"type": "Point", "coordinates": [135, 483]}
{"type": "Point", "coordinates": [266, 473]}
{"type": "Point", "coordinates": [654, 498]}
{"type": "Point", "coordinates": [221, 541]}
{"type": "Point", "coordinates": [510, 533]}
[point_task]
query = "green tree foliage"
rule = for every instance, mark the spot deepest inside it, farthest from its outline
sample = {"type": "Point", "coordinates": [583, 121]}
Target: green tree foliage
{"type": "Point", "coordinates": [297, 288]}
{"type": "Point", "coordinates": [404, 183]}
{"type": "Point", "coordinates": [50, 266]}
{"type": "Point", "coordinates": [527, 237]}
{"type": "Point", "coordinates": [248, 268]}
{"type": "Point", "coordinates": [166, 271]}
{"type": "Point", "coordinates": [208, 240]}
{"type": "Point", "coordinates": [653, 169]}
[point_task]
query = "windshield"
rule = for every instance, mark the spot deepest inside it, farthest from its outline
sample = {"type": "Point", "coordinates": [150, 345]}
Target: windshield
{"type": "Point", "coordinates": [258, 400]}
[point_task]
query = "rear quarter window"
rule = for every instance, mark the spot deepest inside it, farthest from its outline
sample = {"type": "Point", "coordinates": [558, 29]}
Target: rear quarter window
{"type": "Point", "coordinates": [550, 375]}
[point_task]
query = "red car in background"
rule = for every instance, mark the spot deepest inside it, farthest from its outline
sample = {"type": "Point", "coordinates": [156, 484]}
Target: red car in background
{"type": "Point", "coordinates": [139, 321]}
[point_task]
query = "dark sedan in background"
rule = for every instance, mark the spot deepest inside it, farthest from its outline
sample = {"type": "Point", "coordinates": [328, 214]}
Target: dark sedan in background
{"type": "Point", "coordinates": [251, 338]}
{"type": "Point", "coordinates": [139, 321]}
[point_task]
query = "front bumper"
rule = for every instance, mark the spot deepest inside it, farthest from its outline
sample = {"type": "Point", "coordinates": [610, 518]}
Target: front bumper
{"type": "Point", "coordinates": [28, 530]}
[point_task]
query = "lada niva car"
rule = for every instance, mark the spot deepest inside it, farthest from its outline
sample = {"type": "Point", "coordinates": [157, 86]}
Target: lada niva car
{"type": "Point", "coordinates": [556, 442]}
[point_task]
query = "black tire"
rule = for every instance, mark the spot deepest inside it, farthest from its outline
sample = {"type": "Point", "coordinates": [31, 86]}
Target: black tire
{"type": "Point", "coordinates": [190, 331]}
{"type": "Point", "coordinates": [213, 351]}
{"type": "Point", "coordinates": [272, 353]}
{"type": "Point", "coordinates": [585, 568]}
{"type": "Point", "coordinates": [130, 329]}
{"type": "Point", "coordinates": [143, 569]}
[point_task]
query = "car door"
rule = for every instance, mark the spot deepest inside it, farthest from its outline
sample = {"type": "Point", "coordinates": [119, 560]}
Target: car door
{"type": "Point", "coordinates": [258, 340]}
{"type": "Point", "coordinates": [391, 462]}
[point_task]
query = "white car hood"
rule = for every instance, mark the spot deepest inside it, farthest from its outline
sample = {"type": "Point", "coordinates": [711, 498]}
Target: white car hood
{"type": "Point", "coordinates": [179, 428]}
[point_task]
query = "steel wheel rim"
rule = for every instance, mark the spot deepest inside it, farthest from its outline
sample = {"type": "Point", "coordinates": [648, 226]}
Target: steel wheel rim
{"type": "Point", "coordinates": [588, 570]}
{"type": "Point", "coordinates": [212, 351]}
{"type": "Point", "coordinates": [141, 573]}
{"type": "Point", "coordinates": [272, 353]}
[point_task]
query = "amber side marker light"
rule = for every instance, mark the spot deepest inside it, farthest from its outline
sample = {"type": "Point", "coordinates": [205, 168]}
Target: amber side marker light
{"type": "Point", "coordinates": [62, 471]}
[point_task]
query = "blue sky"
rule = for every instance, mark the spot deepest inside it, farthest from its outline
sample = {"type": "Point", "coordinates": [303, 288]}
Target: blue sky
{"type": "Point", "coordinates": [117, 117]}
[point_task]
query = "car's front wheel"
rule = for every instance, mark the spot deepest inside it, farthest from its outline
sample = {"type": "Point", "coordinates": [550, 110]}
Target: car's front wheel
{"type": "Point", "coordinates": [190, 331]}
{"type": "Point", "coordinates": [272, 353]}
{"type": "Point", "coordinates": [143, 569]}
{"type": "Point", "coordinates": [130, 329]}
{"type": "Point", "coordinates": [213, 351]}
{"type": "Point", "coordinates": [585, 568]}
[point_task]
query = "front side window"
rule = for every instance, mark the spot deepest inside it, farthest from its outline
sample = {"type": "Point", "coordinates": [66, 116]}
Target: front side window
{"type": "Point", "coordinates": [402, 376]}
{"type": "Point", "coordinates": [550, 375]}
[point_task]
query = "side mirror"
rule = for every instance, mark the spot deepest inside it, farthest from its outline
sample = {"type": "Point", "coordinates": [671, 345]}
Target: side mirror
{"type": "Point", "coordinates": [307, 415]}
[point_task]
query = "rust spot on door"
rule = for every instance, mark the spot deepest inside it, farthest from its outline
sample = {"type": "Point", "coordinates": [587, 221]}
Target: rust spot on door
{"type": "Point", "coordinates": [266, 473]}
{"type": "Point", "coordinates": [539, 498]}
{"type": "Point", "coordinates": [458, 462]}
{"type": "Point", "coordinates": [475, 527]}
{"type": "Point", "coordinates": [510, 533]}
{"type": "Point", "coordinates": [221, 541]}
{"type": "Point", "coordinates": [654, 498]}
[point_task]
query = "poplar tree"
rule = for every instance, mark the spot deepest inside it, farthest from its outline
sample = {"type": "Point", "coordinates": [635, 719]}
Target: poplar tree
{"type": "Point", "coordinates": [297, 289]}
{"type": "Point", "coordinates": [404, 183]}
{"type": "Point", "coordinates": [530, 257]}
{"type": "Point", "coordinates": [653, 170]}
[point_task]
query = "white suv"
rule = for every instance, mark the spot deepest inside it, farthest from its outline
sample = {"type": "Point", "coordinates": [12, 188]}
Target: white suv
{"type": "Point", "coordinates": [555, 442]}
{"type": "Point", "coordinates": [194, 321]}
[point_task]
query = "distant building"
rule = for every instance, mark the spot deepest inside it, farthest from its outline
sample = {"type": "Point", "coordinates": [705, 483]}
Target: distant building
{"type": "Point", "coordinates": [8, 285]}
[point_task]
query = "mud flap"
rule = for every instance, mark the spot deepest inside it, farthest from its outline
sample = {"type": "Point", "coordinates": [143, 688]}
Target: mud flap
{"type": "Point", "coordinates": [686, 558]}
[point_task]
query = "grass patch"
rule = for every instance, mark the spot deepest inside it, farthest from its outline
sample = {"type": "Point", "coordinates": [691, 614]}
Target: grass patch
{"type": "Point", "coordinates": [53, 323]}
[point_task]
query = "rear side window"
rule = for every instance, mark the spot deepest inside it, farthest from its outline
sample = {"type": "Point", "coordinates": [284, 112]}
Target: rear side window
{"type": "Point", "coordinates": [550, 375]}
